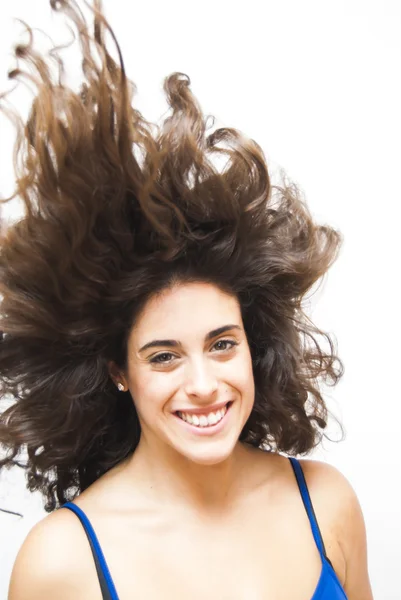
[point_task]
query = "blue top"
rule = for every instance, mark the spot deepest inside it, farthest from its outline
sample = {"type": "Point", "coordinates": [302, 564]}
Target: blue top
{"type": "Point", "coordinates": [328, 586]}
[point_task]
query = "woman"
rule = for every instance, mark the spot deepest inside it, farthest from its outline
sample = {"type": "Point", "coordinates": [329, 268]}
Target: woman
{"type": "Point", "coordinates": [154, 339]}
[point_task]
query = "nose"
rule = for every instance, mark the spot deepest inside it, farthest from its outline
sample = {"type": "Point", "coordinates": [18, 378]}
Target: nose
{"type": "Point", "coordinates": [201, 381]}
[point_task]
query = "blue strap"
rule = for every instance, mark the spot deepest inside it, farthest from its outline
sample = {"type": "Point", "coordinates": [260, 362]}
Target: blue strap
{"type": "Point", "coordinates": [308, 505]}
{"type": "Point", "coordinates": [94, 542]}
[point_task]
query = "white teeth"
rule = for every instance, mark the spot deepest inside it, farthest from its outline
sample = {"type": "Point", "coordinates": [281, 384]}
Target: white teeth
{"type": "Point", "coordinates": [212, 419]}
{"type": "Point", "coordinates": [204, 420]}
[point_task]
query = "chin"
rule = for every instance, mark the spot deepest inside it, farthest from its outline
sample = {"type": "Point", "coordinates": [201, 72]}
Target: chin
{"type": "Point", "coordinates": [211, 456]}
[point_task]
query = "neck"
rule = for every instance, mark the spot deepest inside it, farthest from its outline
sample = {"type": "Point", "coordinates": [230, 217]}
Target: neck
{"type": "Point", "coordinates": [170, 477]}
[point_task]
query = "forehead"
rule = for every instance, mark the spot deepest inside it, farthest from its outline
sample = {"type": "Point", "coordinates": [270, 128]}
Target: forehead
{"type": "Point", "coordinates": [187, 308]}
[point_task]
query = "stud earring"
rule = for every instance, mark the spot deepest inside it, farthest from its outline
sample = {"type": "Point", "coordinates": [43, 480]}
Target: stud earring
{"type": "Point", "coordinates": [121, 387]}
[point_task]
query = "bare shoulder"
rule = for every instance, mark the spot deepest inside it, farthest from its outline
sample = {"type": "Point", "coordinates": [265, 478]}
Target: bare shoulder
{"type": "Point", "coordinates": [51, 559]}
{"type": "Point", "coordinates": [328, 486]}
{"type": "Point", "coordinates": [336, 502]}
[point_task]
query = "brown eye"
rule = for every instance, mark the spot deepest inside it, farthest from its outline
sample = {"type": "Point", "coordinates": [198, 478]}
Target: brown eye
{"type": "Point", "coordinates": [224, 343]}
{"type": "Point", "coordinates": [160, 358]}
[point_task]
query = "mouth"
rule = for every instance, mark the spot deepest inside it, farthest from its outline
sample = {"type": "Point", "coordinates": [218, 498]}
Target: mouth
{"type": "Point", "coordinates": [206, 423]}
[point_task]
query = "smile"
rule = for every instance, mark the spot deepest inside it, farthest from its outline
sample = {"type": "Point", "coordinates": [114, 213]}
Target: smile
{"type": "Point", "coordinates": [204, 421]}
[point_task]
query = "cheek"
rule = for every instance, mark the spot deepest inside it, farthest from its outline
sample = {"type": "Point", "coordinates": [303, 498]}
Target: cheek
{"type": "Point", "coordinates": [250, 391]}
{"type": "Point", "coordinates": [151, 389]}
{"type": "Point", "coordinates": [246, 377]}
{"type": "Point", "coordinates": [238, 373]}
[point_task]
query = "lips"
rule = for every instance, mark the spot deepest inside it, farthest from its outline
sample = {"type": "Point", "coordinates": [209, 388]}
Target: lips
{"type": "Point", "coordinates": [203, 425]}
{"type": "Point", "coordinates": [204, 420]}
{"type": "Point", "coordinates": [204, 411]}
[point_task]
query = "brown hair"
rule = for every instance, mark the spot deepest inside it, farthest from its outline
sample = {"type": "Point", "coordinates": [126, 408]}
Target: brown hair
{"type": "Point", "coordinates": [116, 209]}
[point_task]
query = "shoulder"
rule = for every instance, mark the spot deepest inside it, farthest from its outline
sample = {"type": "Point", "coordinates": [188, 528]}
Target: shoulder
{"type": "Point", "coordinates": [336, 501]}
{"type": "Point", "coordinates": [51, 560]}
{"type": "Point", "coordinates": [323, 479]}
{"type": "Point", "coordinates": [331, 493]}
{"type": "Point", "coordinates": [329, 488]}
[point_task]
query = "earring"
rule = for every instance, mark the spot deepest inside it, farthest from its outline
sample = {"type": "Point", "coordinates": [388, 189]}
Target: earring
{"type": "Point", "coordinates": [121, 387]}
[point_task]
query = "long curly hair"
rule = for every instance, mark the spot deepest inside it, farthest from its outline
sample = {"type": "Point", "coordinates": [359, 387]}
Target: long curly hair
{"type": "Point", "coordinates": [115, 210]}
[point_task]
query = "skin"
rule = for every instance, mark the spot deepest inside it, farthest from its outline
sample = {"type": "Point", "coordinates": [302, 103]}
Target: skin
{"type": "Point", "coordinates": [195, 374]}
{"type": "Point", "coordinates": [190, 516]}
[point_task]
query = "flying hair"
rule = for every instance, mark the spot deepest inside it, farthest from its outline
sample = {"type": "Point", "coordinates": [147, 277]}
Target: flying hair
{"type": "Point", "coordinates": [117, 209]}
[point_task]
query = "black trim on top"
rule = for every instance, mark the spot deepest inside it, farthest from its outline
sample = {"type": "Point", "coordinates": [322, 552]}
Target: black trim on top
{"type": "Point", "coordinates": [102, 580]}
{"type": "Point", "coordinates": [313, 510]}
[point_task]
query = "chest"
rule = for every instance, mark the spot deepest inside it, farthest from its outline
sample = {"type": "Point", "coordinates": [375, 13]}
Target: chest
{"type": "Point", "coordinates": [253, 555]}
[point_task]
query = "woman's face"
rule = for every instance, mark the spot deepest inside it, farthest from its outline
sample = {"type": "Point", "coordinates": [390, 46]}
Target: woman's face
{"type": "Point", "coordinates": [190, 372]}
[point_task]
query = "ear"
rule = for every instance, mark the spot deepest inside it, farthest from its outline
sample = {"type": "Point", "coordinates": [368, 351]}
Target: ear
{"type": "Point", "coordinates": [115, 373]}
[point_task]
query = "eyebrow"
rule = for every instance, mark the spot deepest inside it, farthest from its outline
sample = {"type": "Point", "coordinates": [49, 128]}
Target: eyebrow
{"type": "Point", "coordinates": [175, 343]}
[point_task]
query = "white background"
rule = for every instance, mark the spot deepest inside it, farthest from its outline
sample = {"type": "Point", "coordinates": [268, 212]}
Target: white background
{"type": "Point", "coordinates": [316, 84]}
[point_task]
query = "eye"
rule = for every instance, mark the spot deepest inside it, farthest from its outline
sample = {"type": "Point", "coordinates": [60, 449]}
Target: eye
{"type": "Point", "coordinates": [160, 359]}
{"type": "Point", "coordinates": [166, 358]}
{"type": "Point", "coordinates": [224, 342]}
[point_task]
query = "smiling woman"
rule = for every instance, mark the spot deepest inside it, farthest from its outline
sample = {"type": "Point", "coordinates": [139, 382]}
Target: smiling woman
{"type": "Point", "coordinates": [197, 397]}
{"type": "Point", "coordinates": [153, 337]}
